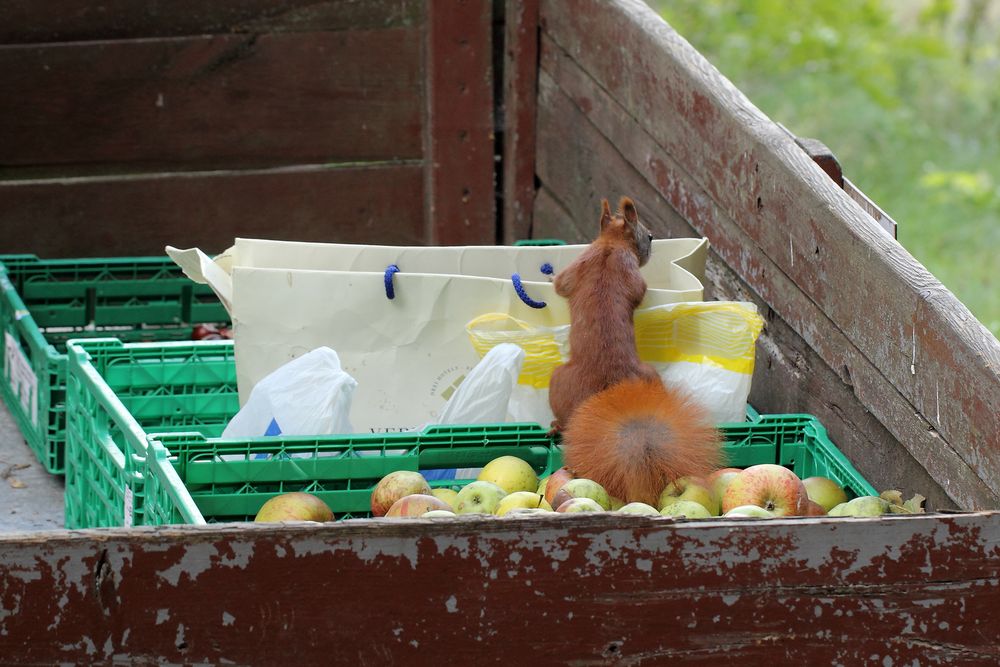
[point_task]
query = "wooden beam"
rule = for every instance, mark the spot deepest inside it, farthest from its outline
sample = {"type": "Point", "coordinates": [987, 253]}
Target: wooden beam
{"type": "Point", "coordinates": [520, 92]}
{"type": "Point", "coordinates": [584, 589]}
{"type": "Point", "coordinates": [30, 22]}
{"type": "Point", "coordinates": [459, 139]}
{"type": "Point", "coordinates": [207, 102]}
{"type": "Point", "coordinates": [901, 321]}
{"type": "Point", "coordinates": [139, 215]}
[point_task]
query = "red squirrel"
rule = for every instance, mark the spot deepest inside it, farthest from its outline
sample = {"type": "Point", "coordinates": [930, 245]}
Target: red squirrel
{"type": "Point", "coordinates": [621, 426]}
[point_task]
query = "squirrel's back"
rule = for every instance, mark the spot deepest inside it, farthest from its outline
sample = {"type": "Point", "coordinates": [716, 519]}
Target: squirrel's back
{"type": "Point", "coordinates": [637, 436]}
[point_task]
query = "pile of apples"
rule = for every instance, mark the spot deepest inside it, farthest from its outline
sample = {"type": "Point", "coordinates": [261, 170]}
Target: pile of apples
{"type": "Point", "coordinates": [509, 486]}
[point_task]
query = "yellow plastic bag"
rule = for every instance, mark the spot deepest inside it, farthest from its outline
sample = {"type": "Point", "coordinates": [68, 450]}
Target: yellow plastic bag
{"type": "Point", "coordinates": [704, 347]}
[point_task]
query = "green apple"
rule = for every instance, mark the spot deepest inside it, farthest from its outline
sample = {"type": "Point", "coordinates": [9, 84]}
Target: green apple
{"type": "Point", "coordinates": [416, 504]}
{"type": "Point", "coordinates": [749, 511]}
{"type": "Point", "coordinates": [639, 508]}
{"type": "Point", "coordinates": [616, 503]}
{"type": "Point", "coordinates": [862, 506]}
{"type": "Point", "coordinates": [450, 496]}
{"type": "Point", "coordinates": [294, 506]}
{"type": "Point", "coordinates": [522, 500]}
{"type": "Point", "coordinates": [583, 488]}
{"type": "Point", "coordinates": [580, 505]}
{"type": "Point", "coordinates": [542, 483]}
{"type": "Point", "coordinates": [437, 514]}
{"type": "Point", "coordinates": [824, 491]}
{"type": "Point", "coordinates": [479, 497]}
{"type": "Point", "coordinates": [510, 473]}
{"type": "Point", "coordinates": [685, 508]}
{"type": "Point", "coordinates": [694, 489]}
{"type": "Point", "coordinates": [394, 486]}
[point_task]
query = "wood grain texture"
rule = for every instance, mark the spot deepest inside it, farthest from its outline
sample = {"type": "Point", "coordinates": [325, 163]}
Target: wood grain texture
{"type": "Point", "coordinates": [586, 589]}
{"type": "Point", "coordinates": [29, 21]}
{"type": "Point", "coordinates": [551, 220]}
{"type": "Point", "coordinates": [212, 101]}
{"type": "Point", "coordinates": [520, 92]}
{"type": "Point", "coordinates": [458, 142]}
{"type": "Point", "coordinates": [140, 215]}
{"type": "Point", "coordinates": [789, 377]}
{"type": "Point", "coordinates": [900, 319]}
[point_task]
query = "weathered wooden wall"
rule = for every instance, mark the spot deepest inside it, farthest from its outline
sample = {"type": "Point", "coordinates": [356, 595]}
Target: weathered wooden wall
{"type": "Point", "coordinates": [127, 126]}
{"type": "Point", "coordinates": [859, 333]}
{"type": "Point", "coordinates": [585, 589]}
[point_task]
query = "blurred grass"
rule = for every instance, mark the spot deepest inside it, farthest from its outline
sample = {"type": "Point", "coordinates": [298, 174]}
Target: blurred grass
{"type": "Point", "coordinates": [905, 94]}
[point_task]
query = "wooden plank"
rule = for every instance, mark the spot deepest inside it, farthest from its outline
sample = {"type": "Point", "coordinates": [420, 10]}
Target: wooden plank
{"type": "Point", "coordinates": [551, 220]}
{"type": "Point", "coordinates": [575, 138]}
{"type": "Point", "coordinates": [213, 101]}
{"type": "Point", "coordinates": [458, 128]}
{"type": "Point", "coordinates": [925, 342]}
{"type": "Point", "coordinates": [520, 91]}
{"type": "Point", "coordinates": [29, 21]}
{"type": "Point", "coordinates": [140, 215]}
{"type": "Point", "coordinates": [582, 589]}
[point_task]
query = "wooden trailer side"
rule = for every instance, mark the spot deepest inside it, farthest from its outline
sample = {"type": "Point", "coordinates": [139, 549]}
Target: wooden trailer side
{"type": "Point", "coordinates": [584, 589]}
{"type": "Point", "coordinates": [132, 125]}
{"type": "Point", "coordinates": [859, 333]}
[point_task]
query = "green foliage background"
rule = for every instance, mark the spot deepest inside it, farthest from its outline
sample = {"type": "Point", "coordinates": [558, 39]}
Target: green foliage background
{"type": "Point", "coordinates": [906, 93]}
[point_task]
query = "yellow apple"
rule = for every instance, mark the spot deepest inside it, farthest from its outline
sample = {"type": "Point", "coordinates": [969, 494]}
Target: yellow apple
{"type": "Point", "coordinates": [685, 508]}
{"type": "Point", "coordinates": [450, 496]}
{"type": "Point", "coordinates": [521, 499]}
{"type": "Point", "coordinates": [695, 489]}
{"type": "Point", "coordinates": [294, 506]}
{"type": "Point", "coordinates": [824, 491]}
{"type": "Point", "coordinates": [510, 473]}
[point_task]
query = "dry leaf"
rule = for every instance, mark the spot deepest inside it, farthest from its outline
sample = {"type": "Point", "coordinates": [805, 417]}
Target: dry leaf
{"type": "Point", "coordinates": [915, 504]}
{"type": "Point", "coordinates": [16, 483]}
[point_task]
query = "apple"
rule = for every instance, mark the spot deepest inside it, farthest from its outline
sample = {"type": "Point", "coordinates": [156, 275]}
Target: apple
{"type": "Point", "coordinates": [438, 514]}
{"type": "Point", "coordinates": [555, 483]}
{"type": "Point", "coordinates": [479, 497]}
{"type": "Point", "coordinates": [520, 511]}
{"type": "Point", "coordinates": [510, 473]}
{"type": "Point", "coordinates": [813, 508]}
{"type": "Point", "coordinates": [639, 508]}
{"type": "Point", "coordinates": [394, 486]}
{"type": "Point", "coordinates": [862, 506]}
{"type": "Point", "coordinates": [294, 506]}
{"type": "Point", "coordinates": [450, 496]}
{"type": "Point", "coordinates": [768, 485]}
{"type": "Point", "coordinates": [583, 488]}
{"type": "Point", "coordinates": [719, 480]}
{"type": "Point", "coordinates": [521, 499]}
{"type": "Point", "coordinates": [749, 511]}
{"type": "Point", "coordinates": [824, 491]}
{"type": "Point", "coordinates": [690, 488]}
{"type": "Point", "coordinates": [416, 504]}
{"type": "Point", "coordinates": [580, 505]}
{"type": "Point", "coordinates": [685, 508]}
{"type": "Point", "coordinates": [542, 483]}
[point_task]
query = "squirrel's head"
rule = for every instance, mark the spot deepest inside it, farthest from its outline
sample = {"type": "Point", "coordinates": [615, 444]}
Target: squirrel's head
{"type": "Point", "coordinates": [626, 226]}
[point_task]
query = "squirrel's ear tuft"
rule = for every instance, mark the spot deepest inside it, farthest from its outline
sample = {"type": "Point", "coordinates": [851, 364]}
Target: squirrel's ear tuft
{"type": "Point", "coordinates": [605, 213]}
{"type": "Point", "coordinates": [627, 209]}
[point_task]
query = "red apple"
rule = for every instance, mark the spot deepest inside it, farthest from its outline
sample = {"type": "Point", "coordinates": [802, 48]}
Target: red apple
{"type": "Point", "coordinates": [394, 486]}
{"type": "Point", "coordinates": [773, 487]}
{"type": "Point", "coordinates": [580, 505]}
{"type": "Point", "coordinates": [813, 508]}
{"type": "Point", "coordinates": [294, 506]}
{"type": "Point", "coordinates": [416, 504]}
{"type": "Point", "coordinates": [555, 482]}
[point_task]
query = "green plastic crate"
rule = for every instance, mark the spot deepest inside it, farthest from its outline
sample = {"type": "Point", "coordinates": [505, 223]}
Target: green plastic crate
{"type": "Point", "coordinates": [44, 303]}
{"type": "Point", "coordinates": [116, 393]}
{"type": "Point", "coordinates": [144, 447]}
{"type": "Point", "coordinates": [191, 479]}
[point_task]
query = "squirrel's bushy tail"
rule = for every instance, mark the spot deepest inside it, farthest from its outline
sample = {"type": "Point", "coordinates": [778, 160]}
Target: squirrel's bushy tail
{"type": "Point", "coordinates": [637, 436]}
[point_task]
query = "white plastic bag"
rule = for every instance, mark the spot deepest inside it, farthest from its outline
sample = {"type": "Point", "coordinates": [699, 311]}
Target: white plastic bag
{"type": "Point", "coordinates": [310, 395]}
{"type": "Point", "coordinates": [484, 394]}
